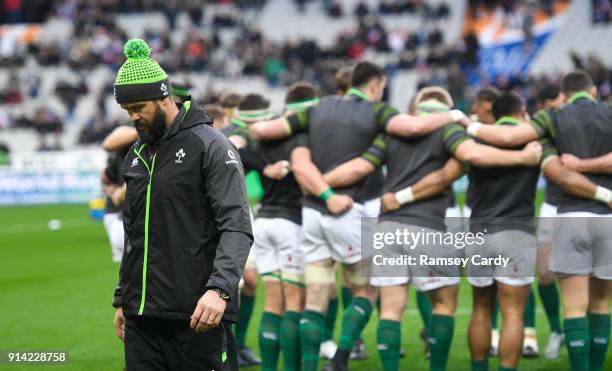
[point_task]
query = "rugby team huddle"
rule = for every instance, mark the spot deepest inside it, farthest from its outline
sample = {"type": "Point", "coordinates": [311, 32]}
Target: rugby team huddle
{"type": "Point", "coordinates": [328, 162]}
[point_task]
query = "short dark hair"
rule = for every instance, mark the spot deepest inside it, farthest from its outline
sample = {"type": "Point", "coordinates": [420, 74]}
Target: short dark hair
{"type": "Point", "coordinates": [343, 79]}
{"type": "Point", "coordinates": [215, 111]}
{"type": "Point", "coordinates": [300, 91]}
{"type": "Point", "coordinates": [364, 72]}
{"type": "Point", "coordinates": [548, 92]}
{"type": "Point", "coordinates": [507, 104]}
{"type": "Point", "coordinates": [487, 94]}
{"type": "Point", "coordinates": [253, 101]}
{"type": "Point", "coordinates": [576, 81]}
{"type": "Point", "coordinates": [230, 100]}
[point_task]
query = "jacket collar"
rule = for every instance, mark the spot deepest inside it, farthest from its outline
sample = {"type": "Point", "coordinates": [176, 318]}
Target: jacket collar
{"type": "Point", "coordinates": [358, 93]}
{"type": "Point", "coordinates": [188, 116]}
{"type": "Point", "coordinates": [507, 120]}
{"type": "Point", "coordinates": [580, 95]}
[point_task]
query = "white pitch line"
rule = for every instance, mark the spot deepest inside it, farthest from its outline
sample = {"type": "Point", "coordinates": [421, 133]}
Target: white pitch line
{"type": "Point", "coordinates": [44, 226]}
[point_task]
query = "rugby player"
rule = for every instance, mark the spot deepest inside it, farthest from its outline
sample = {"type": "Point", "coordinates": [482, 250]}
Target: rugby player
{"type": "Point", "coordinates": [582, 263]}
{"type": "Point", "coordinates": [357, 119]}
{"type": "Point", "coordinates": [408, 160]}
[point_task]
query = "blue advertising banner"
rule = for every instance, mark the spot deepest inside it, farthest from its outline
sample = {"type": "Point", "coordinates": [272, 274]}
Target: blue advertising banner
{"type": "Point", "coordinates": [510, 59]}
{"type": "Point", "coordinates": [20, 187]}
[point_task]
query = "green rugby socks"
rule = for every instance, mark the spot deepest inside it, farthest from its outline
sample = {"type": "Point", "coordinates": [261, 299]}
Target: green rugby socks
{"type": "Point", "coordinates": [599, 331]}
{"type": "Point", "coordinates": [290, 340]}
{"type": "Point", "coordinates": [269, 342]}
{"type": "Point", "coordinates": [389, 340]}
{"type": "Point", "coordinates": [311, 334]}
{"type": "Point", "coordinates": [578, 342]}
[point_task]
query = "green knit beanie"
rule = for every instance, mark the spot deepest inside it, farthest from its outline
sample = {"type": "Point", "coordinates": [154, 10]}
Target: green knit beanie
{"type": "Point", "coordinates": [140, 78]}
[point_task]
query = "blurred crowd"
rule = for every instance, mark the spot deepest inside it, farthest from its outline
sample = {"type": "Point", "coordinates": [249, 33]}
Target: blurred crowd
{"type": "Point", "coordinates": [97, 40]}
{"type": "Point", "coordinates": [602, 11]}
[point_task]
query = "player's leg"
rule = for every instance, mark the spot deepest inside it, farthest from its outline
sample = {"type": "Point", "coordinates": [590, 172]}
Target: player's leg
{"type": "Point", "coordinates": [359, 351]}
{"type": "Point", "coordinates": [442, 325]}
{"type": "Point", "coordinates": [549, 295]}
{"type": "Point", "coordinates": [484, 299]}
{"type": "Point", "coordinates": [357, 315]}
{"type": "Point", "coordinates": [319, 274]}
{"type": "Point", "coordinates": [479, 330]}
{"type": "Point", "coordinates": [572, 260]}
{"type": "Point", "coordinates": [114, 229]}
{"type": "Point", "coordinates": [530, 340]}
{"type": "Point", "coordinates": [425, 311]}
{"type": "Point", "coordinates": [247, 304]}
{"type": "Point", "coordinates": [268, 266]}
{"type": "Point", "coordinates": [292, 267]}
{"type": "Point", "coordinates": [495, 329]}
{"type": "Point", "coordinates": [347, 294]}
{"type": "Point", "coordinates": [328, 347]}
{"type": "Point", "coordinates": [344, 236]}
{"type": "Point", "coordinates": [600, 293]}
{"type": "Point", "coordinates": [391, 282]}
{"type": "Point", "coordinates": [512, 302]}
{"type": "Point", "coordinates": [575, 293]}
{"type": "Point", "coordinates": [291, 261]}
{"type": "Point", "coordinates": [294, 294]}
{"type": "Point", "coordinates": [393, 300]}
{"type": "Point", "coordinates": [514, 282]}
{"type": "Point", "coordinates": [547, 286]}
{"type": "Point", "coordinates": [269, 326]}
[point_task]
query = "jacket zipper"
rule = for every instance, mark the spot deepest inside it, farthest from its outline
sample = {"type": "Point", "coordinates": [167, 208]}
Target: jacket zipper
{"type": "Point", "coordinates": [146, 231]}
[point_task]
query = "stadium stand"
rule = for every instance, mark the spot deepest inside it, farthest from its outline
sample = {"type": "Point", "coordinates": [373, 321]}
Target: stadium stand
{"type": "Point", "coordinates": [55, 89]}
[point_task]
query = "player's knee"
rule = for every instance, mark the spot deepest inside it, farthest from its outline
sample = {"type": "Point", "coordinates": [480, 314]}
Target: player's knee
{"type": "Point", "coordinates": [512, 310]}
{"type": "Point", "coordinates": [273, 293]}
{"type": "Point", "coordinates": [318, 279]}
{"type": "Point", "coordinates": [392, 306]}
{"type": "Point", "coordinates": [599, 302]}
{"type": "Point", "coordinates": [444, 300]}
{"type": "Point", "coordinates": [293, 291]}
{"type": "Point", "coordinates": [250, 281]}
{"type": "Point", "coordinates": [315, 274]}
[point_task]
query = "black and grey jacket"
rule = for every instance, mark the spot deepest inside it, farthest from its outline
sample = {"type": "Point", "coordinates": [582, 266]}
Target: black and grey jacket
{"type": "Point", "coordinates": [186, 221]}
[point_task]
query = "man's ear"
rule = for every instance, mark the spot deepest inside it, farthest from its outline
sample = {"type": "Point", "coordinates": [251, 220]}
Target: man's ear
{"type": "Point", "coordinates": [593, 91]}
{"type": "Point", "coordinates": [563, 97]}
{"type": "Point", "coordinates": [165, 102]}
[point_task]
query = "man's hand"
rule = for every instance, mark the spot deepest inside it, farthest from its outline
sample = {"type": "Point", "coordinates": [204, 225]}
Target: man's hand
{"type": "Point", "coordinates": [119, 323]}
{"type": "Point", "coordinates": [389, 202]}
{"type": "Point", "coordinates": [463, 119]}
{"type": "Point", "coordinates": [571, 162]}
{"type": "Point", "coordinates": [208, 312]}
{"type": "Point", "coordinates": [238, 141]}
{"type": "Point", "coordinates": [118, 195]}
{"type": "Point", "coordinates": [109, 189]}
{"type": "Point", "coordinates": [532, 153]}
{"type": "Point", "coordinates": [277, 171]}
{"type": "Point", "coordinates": [338, 204]}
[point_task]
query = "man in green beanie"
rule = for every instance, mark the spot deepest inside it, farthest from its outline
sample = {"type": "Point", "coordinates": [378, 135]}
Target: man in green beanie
{"type": "Point", "coordinates": [187, 229]}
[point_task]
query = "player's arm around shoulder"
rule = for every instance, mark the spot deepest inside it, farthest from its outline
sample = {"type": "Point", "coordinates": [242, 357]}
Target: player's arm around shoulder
{"type": "Point", "coordinates": [487, 156]}
{"type": "Point", "coordinates": [573, 182]}
{"type": "Point", "coordinates": [596, 165]}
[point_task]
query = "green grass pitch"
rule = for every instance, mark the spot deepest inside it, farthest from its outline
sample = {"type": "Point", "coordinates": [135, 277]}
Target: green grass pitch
{"type": "Point", "coordinates": [56, 289]}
